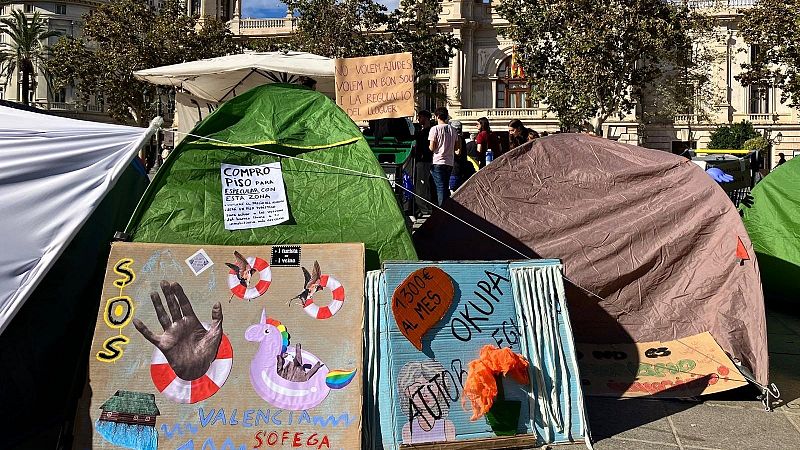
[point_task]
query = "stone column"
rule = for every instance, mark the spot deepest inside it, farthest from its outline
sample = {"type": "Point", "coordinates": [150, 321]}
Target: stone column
{"type": "Point", "coordinates": [454, 89]}
{"type": "Point", "coordinates": [467, 69]}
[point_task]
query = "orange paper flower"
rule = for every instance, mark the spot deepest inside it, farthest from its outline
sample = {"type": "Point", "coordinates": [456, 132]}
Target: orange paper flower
{"type": "Point", "coordinates": [481, 385]}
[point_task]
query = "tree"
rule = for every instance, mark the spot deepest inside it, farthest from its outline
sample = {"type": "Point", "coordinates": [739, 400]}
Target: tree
{"type": "Point", "coordinates": [413, 25]}
{"type": "Point", "coordinates": [733, 136]}
{"type": "Point", "coordinates": [340, 28]}
{"type": "Point", "coordinates": [26, 52]}
{"type": "Point", "coordinates": [589, 60]}
{"type": "Point", "coordinates": [770, 28]}
{"type": "Point", "coordinates": [124, 36]}
{"type": "Point", "coordinates": [351, 28]}
{"type": "Point", "coordinates": [689, 85]}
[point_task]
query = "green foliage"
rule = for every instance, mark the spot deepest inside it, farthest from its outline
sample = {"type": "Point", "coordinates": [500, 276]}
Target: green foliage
{"type": "Point", "coordinates": [733, 136]}
{"type": "Point", "coordinates": [124, 36]}
{"type": "Point", "coordinates": [340, 28]}
{"type": "Point", "coordinates": [758, 143]}
{"type": "Point", "coordinates": [590, 59]}
{"type": "Point", "coordinates": [686, 86]}
{"type": "Point", "coordinates": [771, 26]}
{"type": "Point", "coordinates": [351, 28]}
{"type": "Point", "coordinates": [25, 52]}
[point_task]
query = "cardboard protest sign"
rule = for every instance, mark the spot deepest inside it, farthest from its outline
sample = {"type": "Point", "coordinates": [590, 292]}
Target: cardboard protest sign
{"type": "Point", "coordinates": [421, 301]}
{"type": "Point", "coordinates": [685, 367]}
{"type": "Point", "coordinates": [215, 347]}
{"type": "Point", "coordinates": [253, 196]}
{"type": "Point", "coordinates": [376, 87]}
{"type": "Point", "coordinates": [417, 397]}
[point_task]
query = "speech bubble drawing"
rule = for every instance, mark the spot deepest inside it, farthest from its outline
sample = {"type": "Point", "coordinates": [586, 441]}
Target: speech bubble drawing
{"type": "Point", "coordinates": [420, 302]}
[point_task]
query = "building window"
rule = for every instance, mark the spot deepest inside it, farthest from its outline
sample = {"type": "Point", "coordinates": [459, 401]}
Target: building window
{"type": "Point", "coordinates": [60, 96]}
{"type": "Point", "coordinates": [28, 8]}
{"type": "Point", "coordinates": [195, 7]}
{"type": "Point", "coordinates": [2, 93]}
{"type": "Point", "coordinates": [435, 95]}
{"type": "Point", "coordinates": [511, 92]}
{"type": "Point", "coordinates": [759, 99]}
{"type": "Point", "coordinates": [61, 8]}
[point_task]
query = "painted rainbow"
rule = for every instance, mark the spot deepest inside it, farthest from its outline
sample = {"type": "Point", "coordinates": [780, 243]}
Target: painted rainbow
{"type": "Point", "coordinates": [337, 379]}
{"type": "Point", "coordinates": [284, 332]}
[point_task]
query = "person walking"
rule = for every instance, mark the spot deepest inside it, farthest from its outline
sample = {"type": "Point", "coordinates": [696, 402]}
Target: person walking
{"type": "Point", "coordinates": [422, 165]}
{"type": "Point", "coordinates": [781, 159]}
{"type": "Point", "coordinates": [443, 143]}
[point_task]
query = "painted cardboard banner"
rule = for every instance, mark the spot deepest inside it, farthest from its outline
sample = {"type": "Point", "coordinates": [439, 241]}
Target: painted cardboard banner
{"type": "Point", "coordinates": [420, 301]}
{"type": "Point", "coordinates": [212, 347]}
{"type": "Point", "coordinates": [376, 87]}
{"type": "Point", "coordinates": [418, 394]}
{"type": "Point", "coordinates": [685, 367]}
{"type": "Point", "coordinates": [253, 196]}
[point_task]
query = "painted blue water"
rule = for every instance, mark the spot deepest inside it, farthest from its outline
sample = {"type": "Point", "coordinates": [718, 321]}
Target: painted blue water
{"type": "Point", "coordinates": [137, 437]}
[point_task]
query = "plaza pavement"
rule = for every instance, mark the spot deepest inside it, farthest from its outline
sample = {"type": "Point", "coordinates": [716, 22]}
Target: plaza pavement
{"type": "Point", "coordinates": [732, 420]}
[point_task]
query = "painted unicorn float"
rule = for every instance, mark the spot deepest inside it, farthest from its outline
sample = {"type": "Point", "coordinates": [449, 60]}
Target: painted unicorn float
{"type": "Point", "coordinates": [289, 378]}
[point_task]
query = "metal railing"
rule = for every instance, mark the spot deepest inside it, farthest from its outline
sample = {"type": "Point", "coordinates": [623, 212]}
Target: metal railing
{"type": "Point", "coordinates": [69, 106]}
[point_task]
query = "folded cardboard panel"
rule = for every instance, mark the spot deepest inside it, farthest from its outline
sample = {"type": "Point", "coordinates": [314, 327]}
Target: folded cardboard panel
{"type": "Point", "coordinates": [227, 347]}
{"type": "Point", "coordinates": [418, 397]}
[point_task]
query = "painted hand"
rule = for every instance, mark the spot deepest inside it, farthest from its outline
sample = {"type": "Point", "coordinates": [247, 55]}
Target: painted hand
{"type": "Point", "coordinates": [188, 346]}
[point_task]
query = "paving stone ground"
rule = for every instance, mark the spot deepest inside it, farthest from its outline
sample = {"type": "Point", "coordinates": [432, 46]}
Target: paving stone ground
{"type": "Point", "coordinates": [733, 420]}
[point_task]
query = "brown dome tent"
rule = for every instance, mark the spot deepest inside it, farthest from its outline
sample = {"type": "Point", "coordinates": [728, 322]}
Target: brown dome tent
{"type": "Point", "coordinates": [655, 243]}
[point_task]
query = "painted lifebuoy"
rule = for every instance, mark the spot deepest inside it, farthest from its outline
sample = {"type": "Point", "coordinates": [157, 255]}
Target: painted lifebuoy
{"type": "Point", "coordinates": [182, 391]}
{"type": "Point", "coordinates": [326, 312]}
{"type": "Point", "coordinates": [265, 278]}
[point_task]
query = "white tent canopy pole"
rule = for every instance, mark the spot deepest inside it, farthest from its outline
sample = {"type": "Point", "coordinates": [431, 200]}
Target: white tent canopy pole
{"type": "Point", "coordinates": [54, 172]}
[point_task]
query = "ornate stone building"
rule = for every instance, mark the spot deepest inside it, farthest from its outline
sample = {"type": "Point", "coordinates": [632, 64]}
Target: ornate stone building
{"type": "Point", "coordinates": [66, 18]}
{"type": "Point", "coordinates": [478, 82]}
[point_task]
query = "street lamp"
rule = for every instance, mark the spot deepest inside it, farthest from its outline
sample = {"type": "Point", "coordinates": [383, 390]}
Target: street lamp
{"type": "Point", "coordinates": [772, 141]}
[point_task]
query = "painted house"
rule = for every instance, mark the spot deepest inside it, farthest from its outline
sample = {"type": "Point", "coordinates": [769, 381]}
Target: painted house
{"type": "Point", "coordinates": [134, 408]}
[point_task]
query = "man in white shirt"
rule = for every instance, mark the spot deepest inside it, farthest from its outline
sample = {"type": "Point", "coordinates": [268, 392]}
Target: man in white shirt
{"type": "Point", "coordinates": [443, 143]}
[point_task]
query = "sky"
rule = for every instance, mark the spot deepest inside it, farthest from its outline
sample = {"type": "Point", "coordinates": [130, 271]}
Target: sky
{"type": "Point", "coordinates": [276, 8]}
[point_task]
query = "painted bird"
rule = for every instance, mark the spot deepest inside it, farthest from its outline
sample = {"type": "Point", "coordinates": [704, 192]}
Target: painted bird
{"type": "Point", "coordinates": [243, 270]}
{"type": "Point", "coordinates": [311, 286]}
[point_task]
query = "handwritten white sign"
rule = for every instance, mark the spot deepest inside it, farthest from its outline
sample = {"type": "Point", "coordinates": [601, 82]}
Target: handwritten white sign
{"type": "Point", "coordinates": [253, 196]}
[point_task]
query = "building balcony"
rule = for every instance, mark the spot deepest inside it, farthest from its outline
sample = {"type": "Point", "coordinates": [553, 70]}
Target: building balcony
{"type": "Point", "coordinates": [685, 118]}
{"type": "Point", "coordinates": [70, 107]}
{"type": "Point", "coordinates": [503, 113]}
{"type": "Point", "coordinates": [262, 27]}
{"type": "Point", "coordinates": [762, 118]}
{"type": "Point", "coordinates": [715, 4]}
{"type": "Point", "coordinates": [441, 73]}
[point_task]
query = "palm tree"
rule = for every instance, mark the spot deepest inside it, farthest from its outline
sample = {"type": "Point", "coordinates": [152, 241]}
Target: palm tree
{"type": "Point", "coordinates": [25, 51]}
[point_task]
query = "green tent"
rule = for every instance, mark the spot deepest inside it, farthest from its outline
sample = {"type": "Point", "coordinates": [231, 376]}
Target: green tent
{"type": "Point", "coordinates": [329, 202]}
{"type": "Point", "coordinates": [773, 223]}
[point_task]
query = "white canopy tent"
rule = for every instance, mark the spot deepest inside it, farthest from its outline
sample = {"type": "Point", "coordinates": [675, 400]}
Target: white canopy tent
{"type": "Point", "coordinates": [220, 79]}
{"type": "Point", "coordinates": [208, 82]}
{"type": "Point", "coordinates": [54, 172]}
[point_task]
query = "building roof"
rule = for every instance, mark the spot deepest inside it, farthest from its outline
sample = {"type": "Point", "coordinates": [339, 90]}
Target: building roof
{"type": "Point", "coordinates": [128, 402]}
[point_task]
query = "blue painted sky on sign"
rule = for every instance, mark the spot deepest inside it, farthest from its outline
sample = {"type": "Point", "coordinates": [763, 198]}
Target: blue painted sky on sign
{"type": "Point", "coordinates": [276, 8]}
